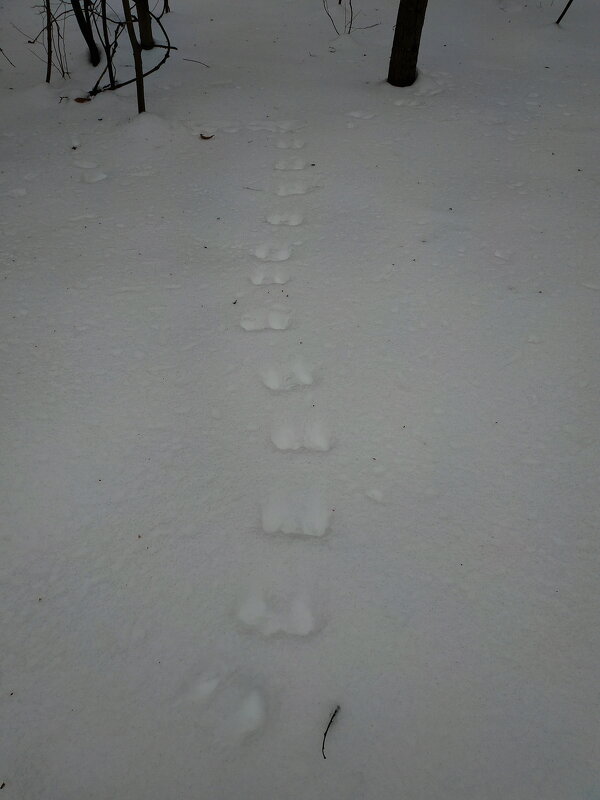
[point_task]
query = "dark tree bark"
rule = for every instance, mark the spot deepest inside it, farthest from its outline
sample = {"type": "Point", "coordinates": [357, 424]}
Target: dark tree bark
{"type": "Point", "coordinates": [48, 40]}
{"type": "Point", "coordinates": [144, 24]}
{"type": "Point", "coordinates": [137, 57]}
{"type": "Point", "coordinates": [565, 9]}
{"type": "Point", "coordinates": [407, 37]}
{"type": "Point", "coordinates": [86, 31]}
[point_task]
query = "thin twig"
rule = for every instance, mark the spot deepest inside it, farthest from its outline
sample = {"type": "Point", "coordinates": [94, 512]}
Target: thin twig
{"type": "Point", "coordinates": [333, 716]}
{"type": "Point", "coordinates": [195, 60]}
{"type": "Point", "coordinates": [113, 49]}
{"type": "Point", "coordinates": [326, 7]}
{"type": "Point", "coordinates": [6, 57]}
{"type": "Point", "coordinates": [106, 43]}
{"type": "Point", "coordinates": [168, 47]}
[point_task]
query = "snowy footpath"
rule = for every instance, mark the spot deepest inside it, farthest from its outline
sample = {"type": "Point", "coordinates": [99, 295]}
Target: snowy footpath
{"type": "Point", "coordinates": [300, 412]}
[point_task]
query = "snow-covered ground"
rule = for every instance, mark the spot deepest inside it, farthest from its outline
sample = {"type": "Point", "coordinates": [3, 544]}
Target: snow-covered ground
{"type": "Point", "coordinates": [304, 414]}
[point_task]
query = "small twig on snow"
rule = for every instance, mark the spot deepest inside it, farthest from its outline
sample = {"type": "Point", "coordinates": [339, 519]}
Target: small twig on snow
{"type": "Point", "coordinates": [333, 716]}
{"type": "Point", "coordinates": [6, 57]}
{"type": "Point", "coordinates": [195, 60]}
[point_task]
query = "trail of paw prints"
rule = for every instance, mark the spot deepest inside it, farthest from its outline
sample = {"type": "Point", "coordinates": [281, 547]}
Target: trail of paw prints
{"type": "Point", "coordinates": [239, 710]}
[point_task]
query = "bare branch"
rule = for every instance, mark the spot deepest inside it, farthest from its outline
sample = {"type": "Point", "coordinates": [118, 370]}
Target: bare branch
{"type": "Point", "coordinates": [326, 7]}
{"type": "Point", "coordinates": [6, 57]}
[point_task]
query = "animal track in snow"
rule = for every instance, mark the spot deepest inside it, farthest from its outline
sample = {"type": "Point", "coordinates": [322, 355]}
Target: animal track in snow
{"type": "Point", "coordinates": [272, 252]}
{"type": "Point", "coordinates": [285, 218]}
{"type": "Point", "coordinates": [213, 127]}
{"type": "Point", "coordinates": [265, 275]}
{"type": "Point", "coordinates": [251, 714]}
{"type": "Point", "coordinates": [93, 175]}
{"type": "Point", "coordinates": [295, 143]}
{"type": "Point", "coordinates": [425, 86]}
{"type": "Point", "coordinates": [309, 435]}
{"type": "Point", "coordinates": [375, 494]}
{"type": "Point", "coordinates": [283, 126]}
{"type": "Point", "coordinates": [362, 114]}
{"type": "Point", "coordinates": [293, 187]}
{"type": "Point", "coordinates": [201, 689]}
{"type": "Point", "coordinates": [275, 318]}
{"type": "Point", "coordinates": [85, 163]}
{"type": "Point", "coordinates": [296, 513]}
{"type": "Point", "coordinates": [282, 378]}
{"type": "Point", "coordinates": [270, 615]}
{"type": "Point", "coordinates": [292, 163]}
{"type": "Point", "coordinates": [230, 704]}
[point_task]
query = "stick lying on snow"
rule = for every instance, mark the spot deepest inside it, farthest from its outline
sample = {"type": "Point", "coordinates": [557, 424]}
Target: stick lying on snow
{"type": "Point", "coordinates": [333, 716]}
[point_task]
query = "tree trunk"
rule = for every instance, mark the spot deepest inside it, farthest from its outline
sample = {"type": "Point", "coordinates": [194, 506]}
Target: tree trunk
{"type": "Point", "coordinates": [48, 40]}
{"type": "Point", "coordinates": [407, 37]}
{"type": "Point", "coordinates": [137, 57]}
{"type": "Point", "coordinates": [144, 24]}
{"type": "Point", "coordinates": [565, 9]}
{"type": "Point", "coordinates": [86, 32]}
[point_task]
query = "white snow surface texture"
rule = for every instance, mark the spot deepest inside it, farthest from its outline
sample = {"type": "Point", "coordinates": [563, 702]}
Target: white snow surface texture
{"type": "Point", "coordinates": [305, 414]}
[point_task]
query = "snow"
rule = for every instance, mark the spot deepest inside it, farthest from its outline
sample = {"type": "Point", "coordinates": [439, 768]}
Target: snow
{"type": "Point", "coordinates": [304, 414]}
